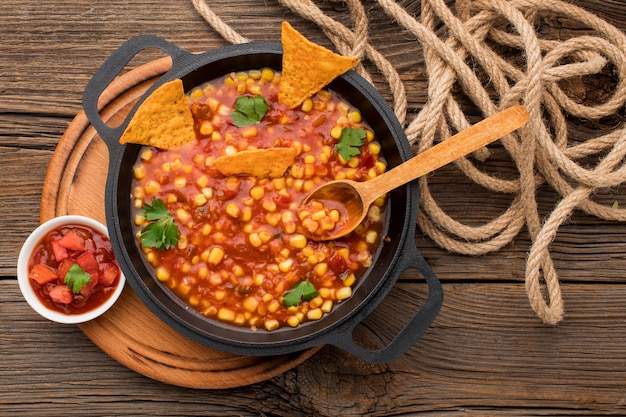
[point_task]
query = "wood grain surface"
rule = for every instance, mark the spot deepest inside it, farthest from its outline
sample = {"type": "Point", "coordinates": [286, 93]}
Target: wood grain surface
{"type": "Point", "coordinates": [485, 354]}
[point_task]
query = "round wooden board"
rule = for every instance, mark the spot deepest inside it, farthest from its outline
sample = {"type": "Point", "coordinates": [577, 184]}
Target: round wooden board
{"type": "Point", "coordinates": [130, 332]}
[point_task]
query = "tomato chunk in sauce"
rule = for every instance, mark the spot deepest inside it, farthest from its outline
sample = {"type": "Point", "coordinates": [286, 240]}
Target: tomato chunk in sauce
{"type": "Point", "coordinates": [242, 246]}
{"type": "Point", "coordinates": [60, 256]}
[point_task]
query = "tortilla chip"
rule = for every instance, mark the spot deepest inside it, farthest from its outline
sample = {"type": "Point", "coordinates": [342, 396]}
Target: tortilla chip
{"type": "Point", "coordinates": [259, 163]}
{"type": "Point", "coordinates": [307, 67]}
{"type": "Point", "coordinates": [163, 120]}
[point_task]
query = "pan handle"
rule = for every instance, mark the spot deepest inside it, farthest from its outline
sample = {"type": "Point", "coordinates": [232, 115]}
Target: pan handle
{"type": "Point", "coordinates": [111, 68]}
{"type": "Point", "coordinates": [412, 331]}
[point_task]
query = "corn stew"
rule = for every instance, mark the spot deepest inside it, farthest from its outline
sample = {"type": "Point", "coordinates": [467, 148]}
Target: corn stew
{"type": "Point", "coordinates": [242, 246]}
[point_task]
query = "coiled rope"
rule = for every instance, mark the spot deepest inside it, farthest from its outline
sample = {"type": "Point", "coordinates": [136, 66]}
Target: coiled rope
{"type": "Point", "coordinates": [478, 31]}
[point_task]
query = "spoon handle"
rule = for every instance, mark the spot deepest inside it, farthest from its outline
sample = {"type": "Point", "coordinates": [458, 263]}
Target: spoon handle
{"type": "Point", "coordinates": [451, 149]}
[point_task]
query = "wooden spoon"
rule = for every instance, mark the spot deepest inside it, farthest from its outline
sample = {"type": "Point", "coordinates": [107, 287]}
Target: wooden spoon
{"type": "Point", "coordinates": [356, 197]}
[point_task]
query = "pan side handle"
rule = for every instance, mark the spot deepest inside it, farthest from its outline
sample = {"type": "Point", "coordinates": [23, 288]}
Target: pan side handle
{"type": "Point", "coordinates": [413, 330]}
{"type": "Point", "coordinates": [110, 69]}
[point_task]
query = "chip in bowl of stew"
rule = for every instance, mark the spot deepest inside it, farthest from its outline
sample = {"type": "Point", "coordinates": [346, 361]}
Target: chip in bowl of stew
{"type": "Point", "coordinates": [67, 271]}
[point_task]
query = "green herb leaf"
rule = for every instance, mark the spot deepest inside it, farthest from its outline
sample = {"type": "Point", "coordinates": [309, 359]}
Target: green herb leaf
{"type": "Point", "coordinates": [161, 233]}
{"type": "Point", "coordinates": [76, 278]}
{"type": "Point", "coordinates": [349, 141]}
{"type": "Point", "coordinates": [249, 110]}
{"type": "Point", "coordinates": [303, 291]}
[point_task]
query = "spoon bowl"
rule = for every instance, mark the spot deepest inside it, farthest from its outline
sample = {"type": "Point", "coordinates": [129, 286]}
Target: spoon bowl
{"type": "Point", "coordinates": [354, 198]}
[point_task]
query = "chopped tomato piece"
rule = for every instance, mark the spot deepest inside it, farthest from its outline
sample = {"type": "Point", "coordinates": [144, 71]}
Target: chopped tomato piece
{"type": "Point", "coordinates": [59, 252]}
{"type": "Point", "coordinates": [88, 262]}
{"type": "Point", "coordinates": [110, 272]}
{"type": "Point", "coordinates": [86, 290]}
{"type": "Point", "coordinates": [42, 274]}
{"type": "Point", "coordinates": [73, 241]}
{"type": "Point", "coordinates": [61, 294]}
{"type": "Point", "coordinates": [64, 266]}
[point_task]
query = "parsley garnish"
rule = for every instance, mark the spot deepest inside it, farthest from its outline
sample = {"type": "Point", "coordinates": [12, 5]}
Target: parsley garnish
{"type": "Point", "coordinates": [248, 110]}
{"type": "Point", "coordinates": [303, 291]}
{"type": "Point", "coordinates": [349, 141]}
{"type": "Point", "coordinates": [76, 278]}
{"type": "Point", "coordinates": [161, 233]}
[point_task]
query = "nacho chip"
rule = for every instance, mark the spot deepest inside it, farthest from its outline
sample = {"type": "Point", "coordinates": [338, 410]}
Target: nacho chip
{"type": "Point", "coordinates": [259, 163]}
{"type": "Point", "coordinates": [307, 67]}
{"type": "Point", "coordinates": [163, 120]}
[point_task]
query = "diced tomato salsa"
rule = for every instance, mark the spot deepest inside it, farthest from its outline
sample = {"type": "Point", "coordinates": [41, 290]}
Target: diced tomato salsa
{"type": "Point", "coordinates": [69, 247]}
{"type": "Point", "coordinates": [242, 244]}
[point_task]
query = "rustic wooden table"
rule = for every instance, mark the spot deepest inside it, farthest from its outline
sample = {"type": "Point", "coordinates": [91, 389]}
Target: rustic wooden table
{"type": "Point", "coordinates": [486, 353]}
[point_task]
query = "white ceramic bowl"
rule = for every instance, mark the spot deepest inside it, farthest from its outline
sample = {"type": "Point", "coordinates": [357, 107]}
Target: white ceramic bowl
{"type": "Point", "coordinates": [24, 282]}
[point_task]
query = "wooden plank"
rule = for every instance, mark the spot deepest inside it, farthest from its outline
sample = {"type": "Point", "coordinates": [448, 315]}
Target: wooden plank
{"type": "Point", "coordinates": [486, 350]}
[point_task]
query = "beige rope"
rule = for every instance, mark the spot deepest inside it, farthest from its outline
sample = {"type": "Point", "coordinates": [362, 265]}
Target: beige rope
{"type": "Point", "coordinates": [470, 51]}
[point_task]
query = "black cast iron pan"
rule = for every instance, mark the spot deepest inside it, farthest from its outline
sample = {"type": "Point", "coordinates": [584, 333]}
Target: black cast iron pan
{"type": "Point", "coordinates": [396, 255]}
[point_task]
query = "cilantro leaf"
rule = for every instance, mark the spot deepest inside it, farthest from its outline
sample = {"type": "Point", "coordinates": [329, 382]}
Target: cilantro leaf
{"type": "Point", "coordinates": [248, 110]}
{"type": "Point", "coordinates": [349, 141]}
{"type": "Point", "coordinates": [76, 278]}
{"type": "Point", "coordinates": [303, 291]}
{"type": "Point", "coordinates": [161, 233]}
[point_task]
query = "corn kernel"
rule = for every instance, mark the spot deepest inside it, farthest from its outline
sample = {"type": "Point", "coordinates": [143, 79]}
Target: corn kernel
{"type": "Point", "coordinates": [269, 205]}
{"type": "Point", "coordinates": [335, 132]}
{"type": "Point", "coordinates": [220, 295]}
{"type": "Point", "coordinates": [321, 269]}
{"type": "Point", "coordinates": [267, 74]}
{"type": "Point", "coordinates": [354, 116]}
{"type": "Point", "coordinates": [314, 314]}
{"type": "Point", "coordinates": [207, 192]}
{"type": "Point", "coordinates": [327, 306]}
{"type": "Point", "coordinates": [147, 154]}
{"type": "Point", "coordinates": [233, 210]}
{"type": "Point", "coordinates": [257, 192]}
{"type": "Point", "coordinates": [298, 241]}
{"type": "Point", "coordinates": [254, 74]}
{"type": "Point", "coordinates": [180, 182]}
{"type": "Point", "coordinates": [182, 243]}
{"type": "Point", "coordinates": [193, 301]}
{"type": "Point", "coordinates": [152, 187]}
{"type": "Point", "coordinates": [349, 280]}
{"type": "Point", "coordinates": [199, 200]}
{"type": "Point", "coordinates": [273, 306]}
{"type": "Point", "coordinates": [271, 324]}
{"type": "Point", "coordinates": [162, 274]}
{"type": "Point", "coordinates": [371, 236]}
{"type": "Point", "coordinates": [265, 236]}
{"type": "Point", "coordinates": [249, 132]}
{"type": "Point", "coordinates": [216, 255]}
{"type": "Point", "coordinates": [250, 304]}
{"type": "Point", "coordinates": [202, 272]}
{"type": "Point", "coordinates": [206, 128]}
{"type": "Point", "coordinates": [246, 214]}
{"type": "Point", "coordinates": [297, 171]}
{"type": "Point", "coordinates": [226, 314]}
{"type": "Point", "coordinates": [230, 81]}
{"type": "Point", "coordinates": [343, 293]}
{"type": "Point", "coordinates": [139, 171]}
{"type": "Point", "coordinates": [272, 218]}
{"type": "Point", "coordinates": [255, 240]}
{"type": "Point", "coordinates": [285, 265]}
{"type": "Point", "coordinates": [316, 302]}
{"type": "Point", "coordinates": [139, 219]}
{"type": "Point", "coordinates": [182, 215]}
{"type": "Point", "coordinates": [293, 321]}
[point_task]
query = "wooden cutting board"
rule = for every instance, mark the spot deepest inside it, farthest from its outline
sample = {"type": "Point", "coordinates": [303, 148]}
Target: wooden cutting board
{"type": "Point", "coordinates": [130, 332]}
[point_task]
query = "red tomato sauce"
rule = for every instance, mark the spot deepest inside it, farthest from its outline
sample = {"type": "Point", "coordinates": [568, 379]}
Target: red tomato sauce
{"type": "Point", "coordinates": [63, 248]}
